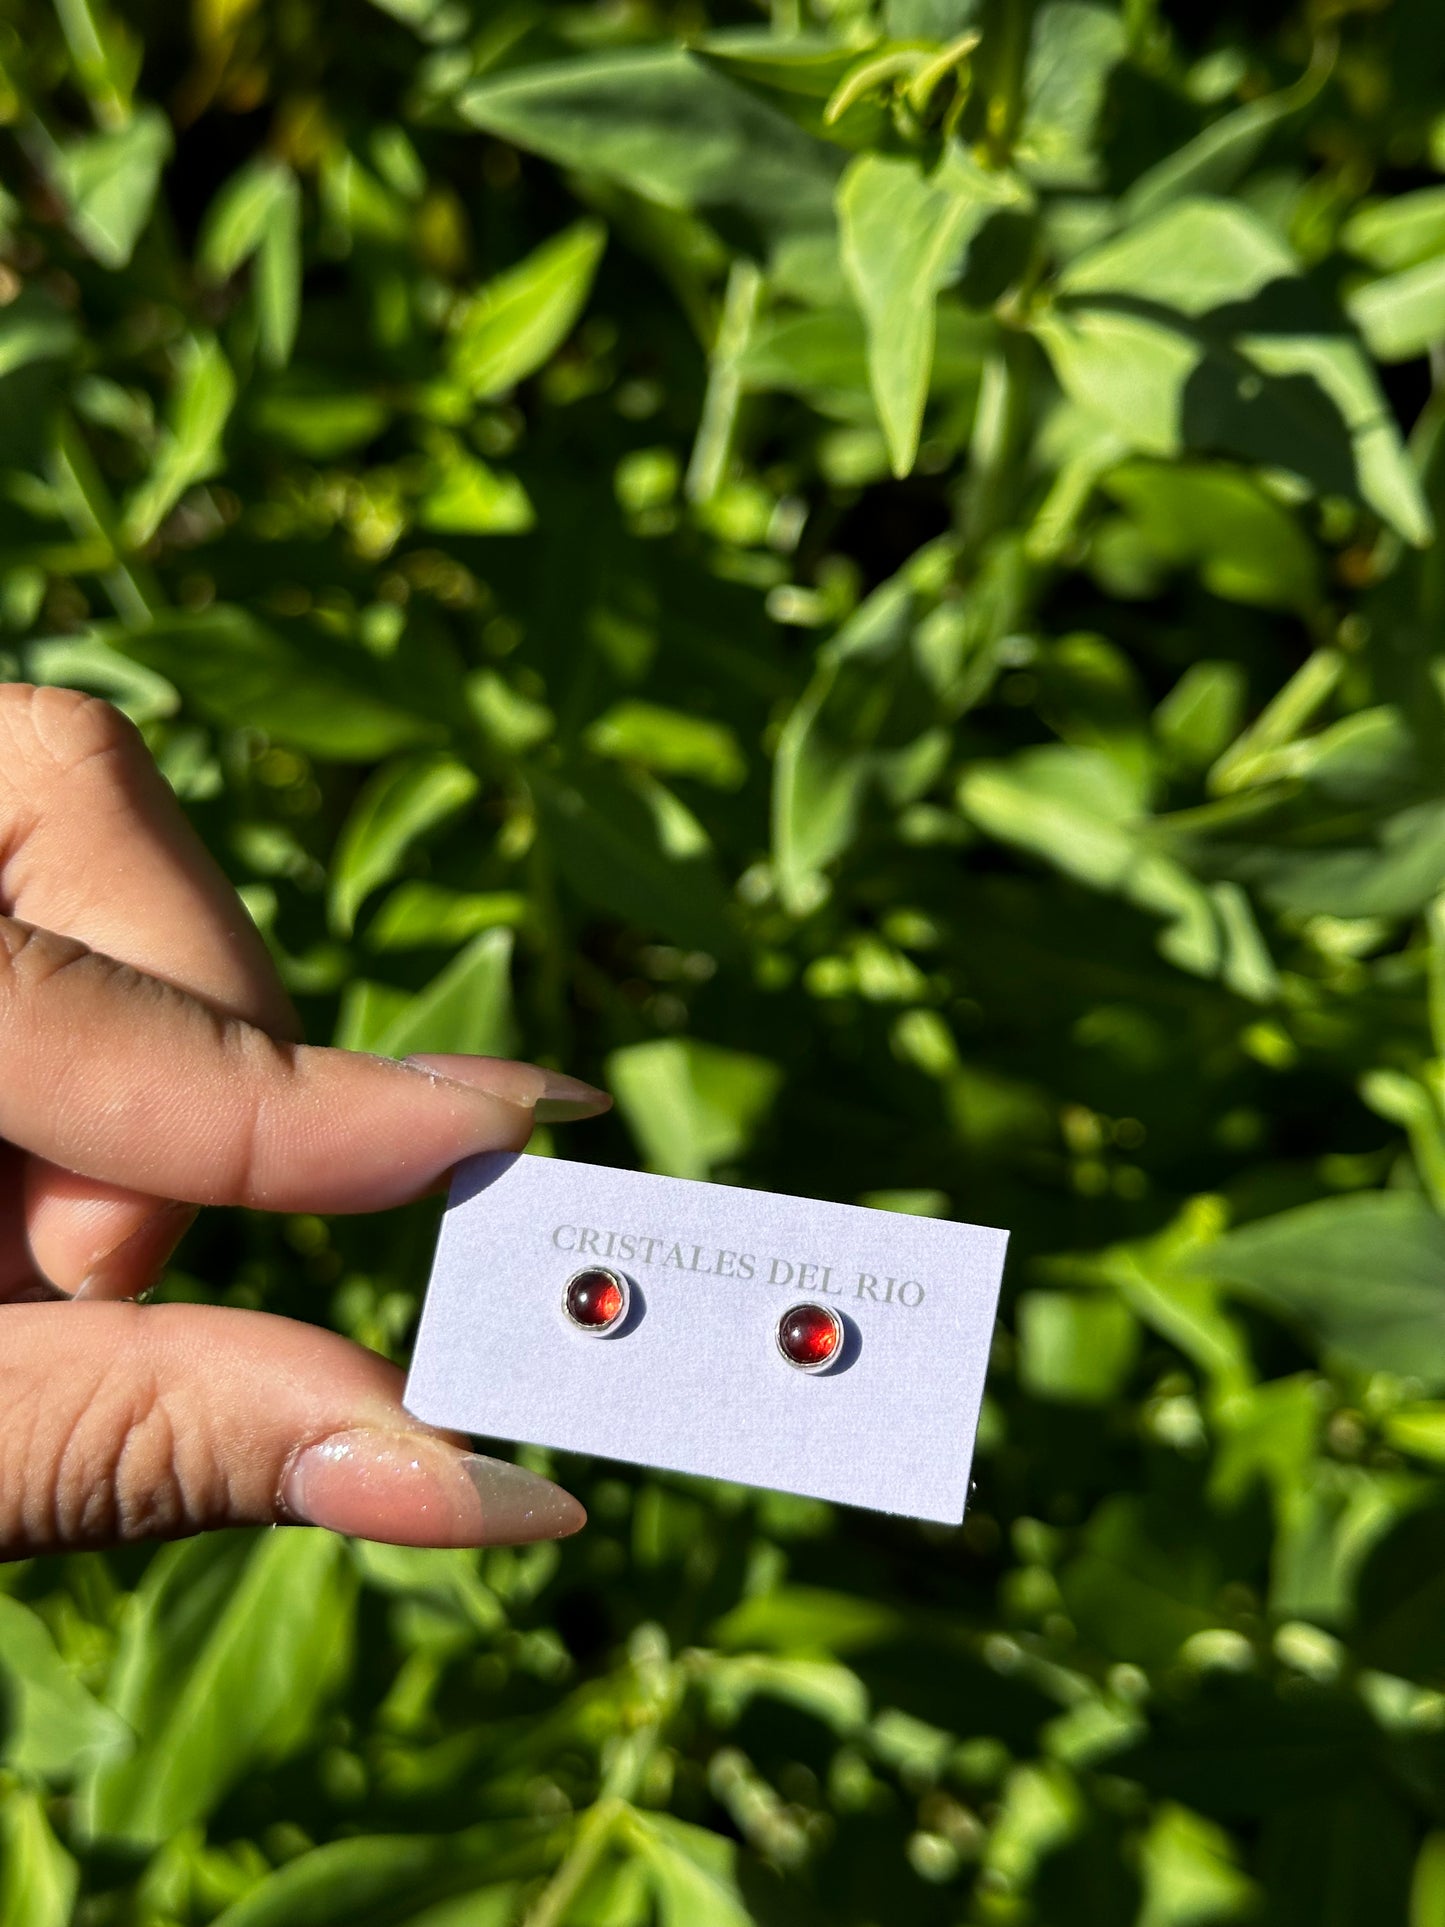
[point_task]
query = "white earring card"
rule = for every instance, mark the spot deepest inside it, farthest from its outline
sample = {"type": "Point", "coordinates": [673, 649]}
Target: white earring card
{"type": "Point", "coordinates": [692, 1379]}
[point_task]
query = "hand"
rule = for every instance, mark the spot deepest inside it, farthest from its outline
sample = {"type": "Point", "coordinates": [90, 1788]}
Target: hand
{"type": "Point", "coordinates": [148, 1065]}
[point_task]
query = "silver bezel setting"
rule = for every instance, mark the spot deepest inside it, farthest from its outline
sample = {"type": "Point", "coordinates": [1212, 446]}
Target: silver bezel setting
{"type": "Point", "coordinates": [619, 1279]}
{"type": "Point", "coordinates": [824, 1364]}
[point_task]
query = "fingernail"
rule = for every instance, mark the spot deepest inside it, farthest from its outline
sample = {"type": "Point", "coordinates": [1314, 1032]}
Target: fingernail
{"type": "Point", "coordinates": [134, 1265]}
{"type": "Point", "coordinates": [410, 1489]}
{"type": "Point", "coordinates": [551, 1097]}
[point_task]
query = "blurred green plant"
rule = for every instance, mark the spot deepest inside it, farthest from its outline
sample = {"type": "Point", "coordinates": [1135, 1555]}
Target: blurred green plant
{"type": "Point", "coordinates": [868, 575]}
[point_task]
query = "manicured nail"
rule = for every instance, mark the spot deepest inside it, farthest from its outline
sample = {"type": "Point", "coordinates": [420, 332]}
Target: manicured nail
{"type": "Point", "coordinates": [133, 1266]}
{"type": "Point", "coordinates": [411, 1489]}
{"type": "Point", "coordinates": [551, 1097]}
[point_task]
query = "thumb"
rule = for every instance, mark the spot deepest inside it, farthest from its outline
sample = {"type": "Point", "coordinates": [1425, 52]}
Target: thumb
{"type": "Point", "coordinates": [126, 1079]}
{"type": "Point", "coordinates": [139, 1422]}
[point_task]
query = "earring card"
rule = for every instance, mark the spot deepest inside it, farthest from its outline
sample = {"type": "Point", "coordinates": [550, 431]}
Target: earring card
{"type": "Point", "coordinates": [692, 1380]}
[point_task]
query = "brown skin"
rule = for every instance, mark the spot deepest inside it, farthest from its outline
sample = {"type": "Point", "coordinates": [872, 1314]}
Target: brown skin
{"type": "Point", "coordinates": [150, 1064]}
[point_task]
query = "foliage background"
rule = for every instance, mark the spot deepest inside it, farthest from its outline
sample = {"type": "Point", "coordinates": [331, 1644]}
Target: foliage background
{"type": "Point", "coordinates": [867, 577]}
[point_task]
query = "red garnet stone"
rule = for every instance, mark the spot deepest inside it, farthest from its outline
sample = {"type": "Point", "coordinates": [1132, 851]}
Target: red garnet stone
{"type": "Point", "coordinates": [595, 1299]}
{"type": "Point", "coordinates": [810, 1336]}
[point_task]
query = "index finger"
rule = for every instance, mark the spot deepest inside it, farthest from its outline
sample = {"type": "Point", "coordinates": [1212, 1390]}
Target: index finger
{"type": "Point", "coordinates": [93, 844]}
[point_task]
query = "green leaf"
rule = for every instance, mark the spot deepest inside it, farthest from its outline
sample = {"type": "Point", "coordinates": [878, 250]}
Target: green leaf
{"type": "Point", "coordinates": [1363, 1275]}
{"type": "Point", "coordinates": [936, 20]}
{"type": "Point", "coordinates": [1143, 1584]}
{"type": "Point", "coordinates": [467, 1007]}
{"type": "Point", "coordinates": [258, 213]}
{"type": "Point", "coordinates": [519, 320]}
{"type": "Point", "coordinates": [416, 916]}
{"type": "Point", "coordinates": [691, 1106]}
{"type": "Point", "coordinates": [1216, 159]}
{"type": "Point", "coordinates": [1427, 1889]}
{"type": "Point", "coordinates": [717, 424]}
{"type": "Point", "coordinates": [694, 1872]}
{"type": "Point", "coordinates": [1418, 1430]}
{"type": "Point", "coordinates": [236, 221]}
{"type": "Point", "coordinates": [823, 354]}
{"type": "Point", "coordinates": [821, 1688]}
{"type": "Point", "coordinates": [1400, 232]}
{"type": "Point", "coordinates": [1385, 863]}
{"type": "Point", "coordinates": [808, 1619]}
{"type": "Point", "coordinates": [448, 1579]}
{"type": "Point", "coordinates": [190, 450]}
{"type": "Point", "coordinates": [50, 1726]}
{"type": "Point", "coordinates": [466, 497]}
{"type": "Point", "coordinates": [320, 699]}
{"type": "Point", "coordinates": [1075, 1348]}
{"type": "Point", "coordinates": [1267, 1433]}
{"type": "Point", "coordinates": [401, 804]}
{"type": "Point", "coordinates": [228, 1651]}
{"type": "Point", "coordinates": [671, 128]}
{"type": "Point", "coordinates": [1403, 314]}
{"type": "Point", "coordinates": [905, 236]}
{"type": "Point", "coordinates": [1192, 331]}
{"type": "Point", "coordinates": [38, 1879]}
{"type": "Point", "coordinates": [311, 411]}
{"type": "Point", "coordinates": [385, 1880]}
{"type": "Point", "coordinates": [1193, 257]}
{"type": "Point", "coordinates": [1246, 545]}
{"type": "Point", "coordinates": [1202, 713]}
{"type": "Point", "coordinates": [110, 182]}
{"type": "Point", "coordinates": [368, 1011]}
{"type": "Point", "coordinates": [867, 721]}
{"type": "Point", "coordinates": [278, 277]}
{"type": "Point", "coordinates": [669, 741]}
{"type": "Point", "coordinates": [85, 662]}
{"type": "Point", "coordinates": [33, 328]}
{"type": "Point", "coordinates": [632, 850]}
{"type": "Point", "coordinates": [1079, 810]}
{"type": "Point", "coordinates": [1037, 1813]}
{"type": "Point", "coordinates": [808, 65]}
{"type": "Point", "coordinates": [1074, 48]}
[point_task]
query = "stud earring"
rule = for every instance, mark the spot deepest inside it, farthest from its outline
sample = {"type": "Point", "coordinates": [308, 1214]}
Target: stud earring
{"type": "Point", "coordinates": [810, 1337]}
{"type": "Point", "coordinates": [596, 1300]}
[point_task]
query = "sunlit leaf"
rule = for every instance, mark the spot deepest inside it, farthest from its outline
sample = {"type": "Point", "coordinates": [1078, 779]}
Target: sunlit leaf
{"type": "Point", "coordinates": [1074, 1348]}
{"type": "Point", "coordinates": [241, 673]}
{"type": "Point", "coordinates": [38, 1878]}
{"type": "Point", "coordinates": [905, 236]}
{"type": "Point", "coordinates": [671, 742]}
{"type": "Point", "coordinates": [804, 1619]}
{"type": "Point", "coordinates": [387, 1880]}
{"type": "Point", "coordinates": [50, 1725]}
{"type": "Point", "coordinates": [110, 182]}
{"type": "Point", "coordinates": [694, 1874]}
{"type": "Point", "coordinates": [669, 126]}
{"type": "Point", "coordinates": [1074, 47]}
{"type": "Point", "coordinates": [402, 803]}
{"type": "Point", "coordinates": [467, 1007]}
{"type": "Point", "coordinates": [468, 498]}
{"type": "Point", "coordinates": [1215, 159]}
{"type": "Point", "coordinates": [516, 322]}
{"type": "Point", "coordinates": [1192, 331]}
{"type": "Point", "coordinates": [1402, 314]}
{"type": "Point", "coordinates": [1245, 544]}
{"type": "Point", "coordinates": [1308, 1266]}
{"type": "Point", "coordinates": [690, 1106]}
{"type": "Point", "coordinates": [1400, 232]}
{"type": "Point", "coordinates": [228, 1651]}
